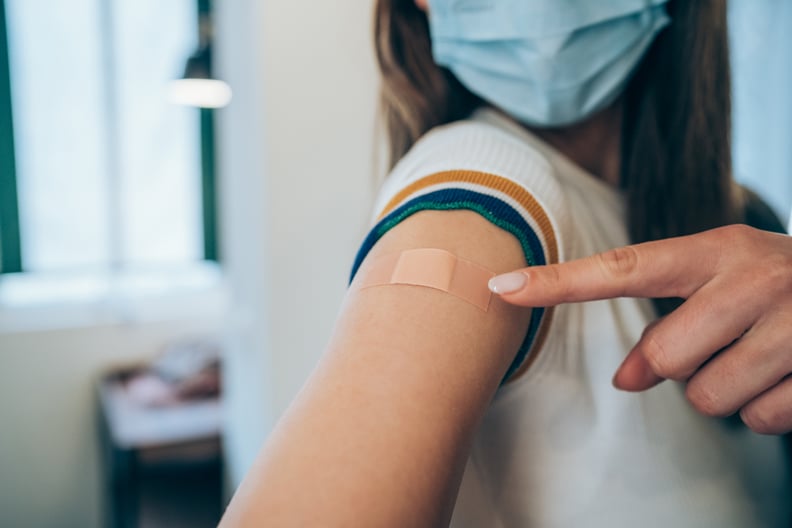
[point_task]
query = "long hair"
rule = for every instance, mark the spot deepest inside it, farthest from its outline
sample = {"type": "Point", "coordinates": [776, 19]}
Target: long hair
{"type": "Point", "coordinates": [676, 132]}
{"type": "Point", "coordinates": [415, 93]}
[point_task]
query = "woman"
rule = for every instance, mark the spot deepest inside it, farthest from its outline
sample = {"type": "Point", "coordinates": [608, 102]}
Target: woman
{"type": "Point", "coordinates": [525, 133]}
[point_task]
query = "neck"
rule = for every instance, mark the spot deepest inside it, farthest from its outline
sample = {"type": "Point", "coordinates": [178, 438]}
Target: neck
{"type": "Point", "coordinates": [594, 144]}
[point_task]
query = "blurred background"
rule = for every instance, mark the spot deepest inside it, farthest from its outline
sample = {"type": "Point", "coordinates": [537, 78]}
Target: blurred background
{"type": "Point", "coordinates": [183, 186]}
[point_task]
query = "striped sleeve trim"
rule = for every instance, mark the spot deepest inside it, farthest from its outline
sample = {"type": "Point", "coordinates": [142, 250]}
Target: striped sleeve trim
{"type": "Point", "coordinates": [503, 203]}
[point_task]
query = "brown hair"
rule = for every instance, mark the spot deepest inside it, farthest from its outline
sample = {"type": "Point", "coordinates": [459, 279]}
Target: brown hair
{"type": "Point", "coordinates": [676, 130]}
{"type": "Point", "coordinates": [415, 93]}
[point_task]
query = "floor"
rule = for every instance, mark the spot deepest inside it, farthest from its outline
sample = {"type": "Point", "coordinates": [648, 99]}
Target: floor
{"type": "Point", "coordinates": [181, 498]}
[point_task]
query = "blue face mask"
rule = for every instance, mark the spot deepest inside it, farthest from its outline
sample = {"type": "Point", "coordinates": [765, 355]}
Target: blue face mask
{"type": "Point", "coordinates": [546, 63]}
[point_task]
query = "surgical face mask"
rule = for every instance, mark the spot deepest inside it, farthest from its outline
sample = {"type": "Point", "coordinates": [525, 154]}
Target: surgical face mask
{"type": "Point", "coordinates": [547, 63]}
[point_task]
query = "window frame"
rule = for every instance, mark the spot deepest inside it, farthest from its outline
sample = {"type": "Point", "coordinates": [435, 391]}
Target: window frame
{"type": "Point", "coordinates": [10, 239]}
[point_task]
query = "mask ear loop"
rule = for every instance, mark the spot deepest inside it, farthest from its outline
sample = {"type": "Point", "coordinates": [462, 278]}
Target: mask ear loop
{"type": "Point", "coordinates": [431, 268]}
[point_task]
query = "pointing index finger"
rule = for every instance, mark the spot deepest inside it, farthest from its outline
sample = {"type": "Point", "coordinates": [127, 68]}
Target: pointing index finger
{"type": "Point", "coordinates": [674, 267]}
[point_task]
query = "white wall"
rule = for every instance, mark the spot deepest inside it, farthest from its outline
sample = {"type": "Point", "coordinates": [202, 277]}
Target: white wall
{"type": "Point", "coordinates": [296, 166]}
{"type": "Point", "coordinates": [49, 453]}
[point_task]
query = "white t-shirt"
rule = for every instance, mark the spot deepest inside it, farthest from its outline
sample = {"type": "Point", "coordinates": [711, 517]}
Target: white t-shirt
{"type": "Point", "coordinates": [559, 446]}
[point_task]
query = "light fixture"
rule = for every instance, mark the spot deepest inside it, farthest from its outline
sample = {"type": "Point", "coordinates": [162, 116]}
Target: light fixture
{"type": "Point", "coordinates": [197, 87]}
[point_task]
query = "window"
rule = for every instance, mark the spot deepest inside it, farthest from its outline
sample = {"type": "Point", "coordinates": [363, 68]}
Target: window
{"type": "Point", "coordinates": [98, 171]}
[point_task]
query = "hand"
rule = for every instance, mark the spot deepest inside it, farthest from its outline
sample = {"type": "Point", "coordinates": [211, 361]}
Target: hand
{"type": "Point", "coordinates": [731, 339]}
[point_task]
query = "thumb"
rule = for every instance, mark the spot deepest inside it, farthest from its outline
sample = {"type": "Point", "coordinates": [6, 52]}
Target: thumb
{"type": "Point", "coordinates": [634, 374]}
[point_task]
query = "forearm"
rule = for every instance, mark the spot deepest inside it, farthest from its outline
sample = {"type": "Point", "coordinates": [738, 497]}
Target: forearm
{"type": "Point", "coordinates": [380, 433]}
{"type": "Point", "coordinates": [374, 439]}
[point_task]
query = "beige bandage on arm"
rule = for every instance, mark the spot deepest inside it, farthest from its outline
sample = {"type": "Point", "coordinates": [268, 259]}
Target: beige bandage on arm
{"type": "Point", "coordinates": [432, 268]}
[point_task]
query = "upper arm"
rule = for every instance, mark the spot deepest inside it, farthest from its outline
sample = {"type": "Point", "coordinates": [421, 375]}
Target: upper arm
{"type": "Point", "coordinates": [428, 331]}
{"type": "Point", "coordinates": [380, 434]}
{"type": "Point", "coordinates": [381, 431]}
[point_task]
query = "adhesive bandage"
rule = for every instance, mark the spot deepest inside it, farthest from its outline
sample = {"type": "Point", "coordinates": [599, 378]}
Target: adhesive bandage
{"type": "Point", "coordinates": [432, 268]}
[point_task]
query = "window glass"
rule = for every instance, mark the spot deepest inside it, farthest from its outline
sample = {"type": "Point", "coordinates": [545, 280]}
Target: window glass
{"type": "Point", "coordinates": [108, 172]}
{"type": "Point", "coordinates": [159, 156]}
{"type": "Point", "coordinates": [59, 129]}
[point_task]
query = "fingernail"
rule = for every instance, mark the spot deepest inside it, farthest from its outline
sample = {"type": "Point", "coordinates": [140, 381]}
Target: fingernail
{"type": "Point", "coordinates": [508, 283]}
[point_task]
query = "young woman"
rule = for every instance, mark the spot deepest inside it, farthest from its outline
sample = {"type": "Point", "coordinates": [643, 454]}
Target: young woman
{"type": "Point", "coordinates": [524, 132]}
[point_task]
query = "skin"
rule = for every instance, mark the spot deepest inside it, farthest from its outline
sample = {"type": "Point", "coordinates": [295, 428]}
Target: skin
{"type": "Point", "coordinates": [594, 144]}
{"type": "Point", "coordinates": [732, 338]}
{"type": "Point", "coordinates": [381, 431]}
{"type": "Point", "coordinates": [731, 341]}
